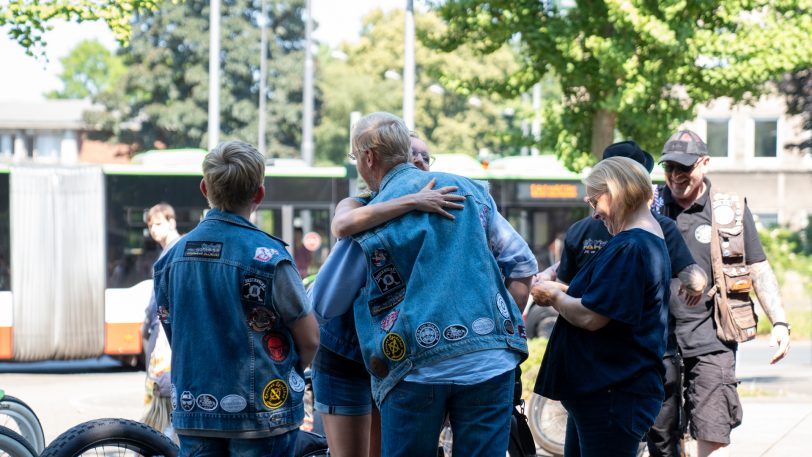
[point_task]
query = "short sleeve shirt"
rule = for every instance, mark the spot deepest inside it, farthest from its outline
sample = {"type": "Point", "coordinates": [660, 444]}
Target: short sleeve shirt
{"type": "Point", "coordinates": [626, 354]}
{"type": "Point", "coordinates": [695, 330]}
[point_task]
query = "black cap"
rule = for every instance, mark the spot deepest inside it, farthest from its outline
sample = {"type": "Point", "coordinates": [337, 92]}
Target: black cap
{"type": "Point", "coordinates": [631, 150]}
{"type": "Point", "coordinates": [684, 147]}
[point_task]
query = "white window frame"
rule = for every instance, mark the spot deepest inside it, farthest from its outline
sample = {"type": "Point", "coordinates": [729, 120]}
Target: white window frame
{"type": "Point", "coordinates": [779, 138]}
{"type": "Point", "coordinates": [729, 147]}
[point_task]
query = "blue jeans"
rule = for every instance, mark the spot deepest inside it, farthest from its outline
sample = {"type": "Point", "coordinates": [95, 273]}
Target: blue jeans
{"type": "Point", "coordinates": [412, 415]}
{"type": "Point", "coordinates": [608, 424]}
{"type": "Point", "coordinates": [275, 446]}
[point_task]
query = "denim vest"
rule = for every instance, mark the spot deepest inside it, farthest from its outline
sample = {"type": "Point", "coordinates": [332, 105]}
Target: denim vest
{"type": "Point", "coordinates": [433, 290]}
{"type": "Point", "coordinates": [234, 363]}
{"type": "Point", "coordinates": [338, 335]}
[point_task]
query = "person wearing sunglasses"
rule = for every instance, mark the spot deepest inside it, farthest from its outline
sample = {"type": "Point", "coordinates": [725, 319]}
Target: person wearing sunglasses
{"type": "Point", "coordinates": [712, 402]}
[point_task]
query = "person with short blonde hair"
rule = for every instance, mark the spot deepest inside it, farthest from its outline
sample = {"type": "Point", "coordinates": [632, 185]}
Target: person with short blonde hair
{"type": "Point", "coordinates": [604, 357]}
{"type": "Point", "coordinates": [233, 172]}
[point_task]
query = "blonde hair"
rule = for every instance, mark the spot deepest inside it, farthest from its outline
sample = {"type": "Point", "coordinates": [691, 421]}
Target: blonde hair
{"type": "Point", "coordinates": [625, 180]}
{"type": "Point", "coordinates": [386, 134]}
{"type": "Point", "coordinates": [164, 209]}
{"type": "Point", "coordinates": [233, 172]}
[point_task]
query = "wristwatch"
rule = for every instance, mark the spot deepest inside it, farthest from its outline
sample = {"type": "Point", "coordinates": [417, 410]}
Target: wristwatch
{"type": "Point", "coordinates": [784, 324]}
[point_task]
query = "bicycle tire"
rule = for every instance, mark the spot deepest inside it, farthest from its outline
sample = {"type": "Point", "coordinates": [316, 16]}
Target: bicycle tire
{"type": "Point", "coordinates": [25, 421]}
{"type": "Point", "coordinates": [109, 434]}
{"type": "Point", "coordinates": [12, 444]}
{"type": "Point", "coordinates": [547, 426]}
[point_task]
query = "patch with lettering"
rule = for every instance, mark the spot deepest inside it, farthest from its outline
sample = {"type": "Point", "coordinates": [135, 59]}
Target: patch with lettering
{"type": "Point", "coordinates": [455, 332]}
{"type": "Point", "coordinates": [206, 402]}
{"type": "Point", "coordinates": [483, 326]}
{"type": "Point", "coordinates": [275, 394]}
{"type": "Point", "coordinates": [703, 233]}
{"type": "Point", "coordinates": [379, 257]}
{"type": "Point", "coordinates": [386, 302]}
{"type": "Point", "coordinates": [502, 306]}
{"type": "Point", "coordinates": [277, 346]}
{"type": "Point", "coordinates": [204, 249]}
{"type": "Point", "coordinates": [261, 319]}
{"type": "Point", "coordinates": [233, 403]}
{"type": "Point", "coordinates": [591, 246]}
{"type": "Point", "coordinates": [253, 289]}
{"type": "Point", "coordinates": [508, 324]}
{"type": "Point", "coordinates": [387, 279]}
{"type": "Point", "coordinates": [296, 382]}
{"type": "Point", "coordinates": [427, 334]}
{"type": "Point", "coordinates": [393, 347]}
{"type": "Point", "coordinates": [265, 254]}
{"type": "Point", "coordinates": [389, 321]}
{"type": "Point", "coordinates": [187, 401]}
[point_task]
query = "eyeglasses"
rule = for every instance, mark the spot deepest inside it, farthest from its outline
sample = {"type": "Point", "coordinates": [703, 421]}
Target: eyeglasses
{"type": "Point", "coordinates": [427, 158]}
{"type": "Point", "coordinates": [592, 201]}
{"type": "Point", "coordinates": [672, 168]}
{"type": "Point", "coordinates": [354, 155]}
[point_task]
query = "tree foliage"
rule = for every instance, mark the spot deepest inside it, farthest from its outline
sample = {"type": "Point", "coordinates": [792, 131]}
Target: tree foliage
{"type": "Point", "coordinates": [166, 86]}
{"type": "Point", "coordinates": [89, 70]}
{"type": "Point", "coordinates": [450, 117]}
{"type": "Point", "coordinates": [633, 67]}
{"type": "Point", "coordinates": [28, 20]}
{"type": "Point", "coordinates": [797, 87]}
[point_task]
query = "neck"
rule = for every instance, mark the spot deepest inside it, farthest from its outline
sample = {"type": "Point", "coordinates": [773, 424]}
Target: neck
{"type": "Point", "coordinates": [642, 219]}
{"type": "Point", "coordinates": [688, 200]}
{"type": "Point", "coordinates": [170, 238]}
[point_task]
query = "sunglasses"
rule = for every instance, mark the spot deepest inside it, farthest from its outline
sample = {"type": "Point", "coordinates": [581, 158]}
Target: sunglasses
{"type": "Point", "coordinates": [672, 168]}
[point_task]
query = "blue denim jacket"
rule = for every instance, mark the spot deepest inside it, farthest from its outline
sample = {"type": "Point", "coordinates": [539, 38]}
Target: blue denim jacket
{"type": "Point", "coordinates": [234, 363]}
{"type": "Point", "coordinates": [434, 290]}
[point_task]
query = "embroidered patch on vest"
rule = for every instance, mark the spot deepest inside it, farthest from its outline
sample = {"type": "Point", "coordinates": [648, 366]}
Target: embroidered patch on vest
{"type": "Point", "coordinates": [379, 257]}
{"type": "Point", "coordinates": [206, 402]}
{"type": "Point", "coordinates": [427, 334]}
{"type": "Point", "coordinates": [187, 401]}
{"type": "Point", "coordinates": [508, 324]}
{"type": "Point", "coordinates": [502, 306]}
{"type": "Point", "coordinates": [233, 403]}
{"type": "Point", "coordinates": [703, 233]}
{"type": "Point", "coordinates": [205, 249]}
{"type": "Point", "coordinates": [387, 279]}
{"type": "Point", "coordinates": [275, 394]}
{"type": "Point", "coordinates": [261, 319]}
{"type": "Point", "coordinates": [389, 321]}
{"type": "Point", "coordinates": [393, 347]}
{"type": "Point", "coordinates": [277, 346]}
{"type": "Point", "coordinates": [265, 254]}
{"type": "Point", "coordinates": [455, 332]}
{"type": "Point", "coordinates": [296, 382]}
{"type": "Point", "coordinates": [483, 326]}
{"type": "Point", "coordinates": [253, 289]}
{"type": "Point", "coordinates": [386, 302]}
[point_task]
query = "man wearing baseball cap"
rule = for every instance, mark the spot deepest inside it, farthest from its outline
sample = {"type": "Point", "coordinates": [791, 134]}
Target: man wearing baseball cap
{"type": "Point", "coordinates": [712, 403]}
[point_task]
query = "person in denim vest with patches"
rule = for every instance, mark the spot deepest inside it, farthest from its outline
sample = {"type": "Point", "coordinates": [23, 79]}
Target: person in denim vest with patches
{"type": "Point", "coordinates": [236, 315]}
{"type": "Point", "coordinates": [433, 345]}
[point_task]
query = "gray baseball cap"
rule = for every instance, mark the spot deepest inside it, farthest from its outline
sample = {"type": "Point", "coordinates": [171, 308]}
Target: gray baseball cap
{"type": "Point", "coordinates": [684, 147]}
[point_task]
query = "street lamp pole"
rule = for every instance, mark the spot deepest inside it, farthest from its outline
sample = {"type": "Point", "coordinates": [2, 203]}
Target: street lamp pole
{"type": "Point", "coordinates": [408, 67]}
{"type": "Point", "coordinates": [307, 111]}
{"type": "Point", "coordinates": [214, 73]}
{"type": "Point", "coordinates": [263, 77]}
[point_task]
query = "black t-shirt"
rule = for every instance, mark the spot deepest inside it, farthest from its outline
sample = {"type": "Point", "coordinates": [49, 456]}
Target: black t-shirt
{"type": "Point", "coordinates": [695, 330]}
{"type": "Point", "coordinates": [628, 282]}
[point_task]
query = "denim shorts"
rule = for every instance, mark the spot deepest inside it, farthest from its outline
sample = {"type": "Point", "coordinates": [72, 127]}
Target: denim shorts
{"type": "Point", "coordinates": [340, 386]}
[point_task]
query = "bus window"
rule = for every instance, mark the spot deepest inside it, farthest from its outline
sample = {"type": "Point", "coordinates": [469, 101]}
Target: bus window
{"type": "Point", "coordinates": [5, 234]}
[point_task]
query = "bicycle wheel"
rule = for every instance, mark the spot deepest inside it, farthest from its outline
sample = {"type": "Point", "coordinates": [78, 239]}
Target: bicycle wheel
{"type": "Point", "coordinates": [20, 418]}
{"type": "Point", "coordinates": [14, 445]}
{"type": "Point", "coordinates": [548, 423]}
{"type": "Point", "coordinates": [111, 437]}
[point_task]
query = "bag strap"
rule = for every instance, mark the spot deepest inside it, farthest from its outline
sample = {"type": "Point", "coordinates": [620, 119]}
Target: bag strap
{"type": "Point", "coordinates": [721, 309]}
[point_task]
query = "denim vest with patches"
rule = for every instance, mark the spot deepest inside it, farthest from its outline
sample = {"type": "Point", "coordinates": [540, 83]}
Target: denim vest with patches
{"type": "Point", "coordinates": [433, 290]}
{"type": "Point", "coordinates": [234, 363]}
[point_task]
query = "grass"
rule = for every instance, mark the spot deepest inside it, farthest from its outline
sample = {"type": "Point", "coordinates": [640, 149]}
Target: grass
{"type": "Point", "coordinates": [530, 367]}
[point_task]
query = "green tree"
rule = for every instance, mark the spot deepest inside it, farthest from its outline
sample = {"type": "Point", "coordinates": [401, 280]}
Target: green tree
{"type": "Point", "coordinates": [635, 67]}
{"type": "Point", "coordinates": [89, 70]}
{"type": "Point", "coordinates": [797, 87]}
{"type": "Point", "coordinates": [28, 20]}
{"type": "Point", "coordinates": [450, 117]}
{"type": "Point", "coordinates": [166, 86]}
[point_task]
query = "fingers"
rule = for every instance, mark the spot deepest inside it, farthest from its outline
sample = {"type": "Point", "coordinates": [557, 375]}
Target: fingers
{"type": "Point", "coordinates": [445, 214]}
{"type": "Point", "coordinates": [451, 205]}
{"type": "Point", "coordinates": [783, 348]}
{"type": "Point", "coordinates": [448, 189]}
{"type": "Point", "coordinates": [430, 185]}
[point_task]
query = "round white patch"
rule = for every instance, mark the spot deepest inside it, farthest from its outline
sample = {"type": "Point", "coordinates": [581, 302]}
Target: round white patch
{"type": "Point", "coordinates": [483, 326]}
{"type": "Point", "coordinates": [724, 214]}
{"type": "Point", "coordinates": [427, 334]}
{"type": "Point", "coordinates": [703, 233]}
{"type": "Point", "coordinates": [233, 403]}
{"type": "Point", "coordinates": [296, 382]}
{"type": "Point", "coordinates": [503, 309]}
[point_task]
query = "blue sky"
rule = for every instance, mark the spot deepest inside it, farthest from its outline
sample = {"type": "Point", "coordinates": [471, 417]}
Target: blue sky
{"type": "Point", "coordinates": [25, 78]}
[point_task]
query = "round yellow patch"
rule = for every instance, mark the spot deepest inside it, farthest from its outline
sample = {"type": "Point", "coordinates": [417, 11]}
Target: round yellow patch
{"type": "Point", "coordinates": [393, 347]}
{"type": "Point", "coordinates": [275, 393]}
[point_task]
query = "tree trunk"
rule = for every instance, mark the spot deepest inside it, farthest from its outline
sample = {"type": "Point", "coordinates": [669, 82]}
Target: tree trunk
{"type": "Point", "coordinates": [603, 131]}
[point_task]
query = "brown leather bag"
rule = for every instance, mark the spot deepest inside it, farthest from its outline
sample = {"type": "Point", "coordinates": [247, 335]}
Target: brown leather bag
{"type": "Point", "coordinates": [734, 312]}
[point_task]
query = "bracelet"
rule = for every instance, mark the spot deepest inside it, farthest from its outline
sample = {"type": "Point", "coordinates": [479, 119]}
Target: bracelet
{"type": "Point", "coordinates": [783, 324]}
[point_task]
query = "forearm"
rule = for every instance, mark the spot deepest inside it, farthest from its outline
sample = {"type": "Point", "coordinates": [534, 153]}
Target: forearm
{"type": "Point", "coordinates": [519, 289]}
{"type": "Point", "coordinates": [693, 279]}
{"type": "Point", "coordinates": [767, 291]}
{"type": "Point", "coordinates": [306, 338]}
{"type": "Point", "coordinates": [356, 220]}
{"type": "Point", "coordinates": [577, 314]}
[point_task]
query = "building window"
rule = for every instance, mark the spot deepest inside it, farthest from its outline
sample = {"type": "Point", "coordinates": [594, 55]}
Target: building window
{"type": "Point", "coordinates": [717, 137]}
{"type": "Point", "coordinates": [766, 138]}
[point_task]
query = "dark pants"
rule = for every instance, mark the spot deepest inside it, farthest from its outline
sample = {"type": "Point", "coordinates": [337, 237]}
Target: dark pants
{"type": "Point", "coordinates": [663, 438]}
{"type": "Point", "coordinates": [608, 424]}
